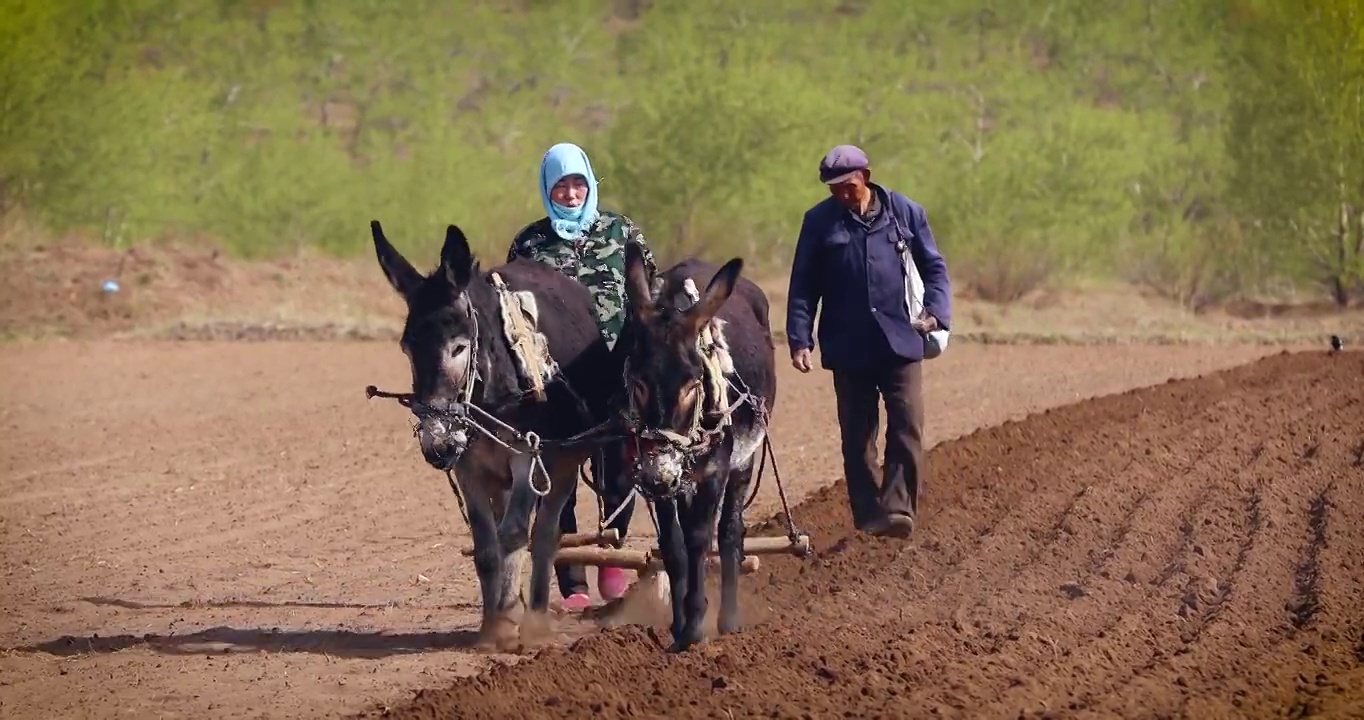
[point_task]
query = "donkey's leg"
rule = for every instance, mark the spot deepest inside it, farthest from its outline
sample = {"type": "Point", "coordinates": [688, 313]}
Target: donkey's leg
{"type": "Point", "coordinates": [732, 545]}
{"type": "Point", "coordinates": [514, 528]}
{"type": "Point", "coordinates": [488, 557]}
{"type": "Point", "coordinates": [512, 535]}
{"type": "Point", "coordinates": [545, 534]}
{"type": "Point", "coordinates": [673, 547]}
{"type": "Point", "coordinates": [698, 530]}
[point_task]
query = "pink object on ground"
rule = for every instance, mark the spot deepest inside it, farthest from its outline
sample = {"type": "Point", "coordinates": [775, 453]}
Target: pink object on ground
{"type": "Point", "coordinates": [611, 583]}
{"type": "Point", "coordinates": [577, 601]}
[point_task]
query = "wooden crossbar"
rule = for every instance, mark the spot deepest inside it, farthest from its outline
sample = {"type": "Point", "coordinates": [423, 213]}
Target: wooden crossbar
{"type": "Point", "coordinates": [610, 537]}
{"type": "Point", "coordinates": [773, 546]}
{"type": "Point", "coordinates": [649, 561]}
{"type": "Point", "coordinates": [641, 561]}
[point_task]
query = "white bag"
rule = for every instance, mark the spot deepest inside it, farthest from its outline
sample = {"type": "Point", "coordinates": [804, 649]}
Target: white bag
{"type": "Point", "coordinates": [935, 342]}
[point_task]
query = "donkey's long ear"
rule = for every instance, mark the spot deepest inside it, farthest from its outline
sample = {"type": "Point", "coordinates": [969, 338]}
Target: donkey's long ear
{"type": "Point", "coordinates": [637, 281]}
{"type": "Point", "coordinates": [456, 259]}
{"type": "Point", "coordinates": [717, 292]}
{"type": "Point", "coordinates": [401, 275]}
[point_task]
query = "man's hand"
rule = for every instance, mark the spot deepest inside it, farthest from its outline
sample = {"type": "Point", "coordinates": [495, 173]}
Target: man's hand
{"type": "Point", "coordinates": [800, 359]}
{"type": "Point", "coordinates": [926, 323]}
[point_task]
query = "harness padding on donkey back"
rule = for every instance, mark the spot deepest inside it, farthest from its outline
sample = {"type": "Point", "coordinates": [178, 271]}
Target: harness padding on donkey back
{"type": "Point", "coordinates": [520, 325]}
{"type": "Point", "coordinates": [715, 354]}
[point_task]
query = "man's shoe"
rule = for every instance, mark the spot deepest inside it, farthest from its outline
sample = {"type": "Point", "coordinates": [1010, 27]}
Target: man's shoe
{"type": "Point", "coordinates": [895, 525]}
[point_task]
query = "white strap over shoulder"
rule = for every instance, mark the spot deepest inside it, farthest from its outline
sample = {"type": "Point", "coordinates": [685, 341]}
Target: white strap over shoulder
{"type": "Point", "coordinates": [935, 342]}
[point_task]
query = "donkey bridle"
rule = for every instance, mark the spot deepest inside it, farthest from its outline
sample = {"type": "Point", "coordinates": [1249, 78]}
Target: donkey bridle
{"type": "Point", "coordinates": [706, 427]}
{"type": "Point", "coordinates": [458, 416]}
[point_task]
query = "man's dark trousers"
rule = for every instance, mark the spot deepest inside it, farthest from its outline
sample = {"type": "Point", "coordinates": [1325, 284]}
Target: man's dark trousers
{"type": "Point", "coordinates": [858, 392]}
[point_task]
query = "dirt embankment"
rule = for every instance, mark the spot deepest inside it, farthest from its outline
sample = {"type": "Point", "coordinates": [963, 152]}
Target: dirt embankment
{"type": "Point", "coordinates": [57, 289]}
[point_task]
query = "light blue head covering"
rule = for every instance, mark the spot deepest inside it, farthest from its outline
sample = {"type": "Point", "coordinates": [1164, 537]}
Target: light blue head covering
{"type": "Point", "coordinates": [568, 159]}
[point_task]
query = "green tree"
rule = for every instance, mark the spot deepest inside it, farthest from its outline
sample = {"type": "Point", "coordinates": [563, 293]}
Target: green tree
{"type": "Point", "coordinates": [1296, 135]}
{"type": "Point", "coordinates": [1046, 140]}
{"type": "Point", "coordinates": [685, 154]}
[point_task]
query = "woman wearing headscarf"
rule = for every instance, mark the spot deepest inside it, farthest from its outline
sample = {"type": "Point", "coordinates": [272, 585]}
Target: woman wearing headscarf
{"type": "Point", "coordinates": [587, 243]}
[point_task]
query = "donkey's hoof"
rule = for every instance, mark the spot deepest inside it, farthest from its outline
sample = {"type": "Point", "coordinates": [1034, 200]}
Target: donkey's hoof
{"type": "Point", "coordinates": [511, 645]}
{"type": "Point", "coordinates": [535, 626]}
{"type": "Point", "coordinates": [500, 634]}
{"type": "Point", "coordinates": [487, 639]}
{"type": "Point", "coordinates": [685, 642]}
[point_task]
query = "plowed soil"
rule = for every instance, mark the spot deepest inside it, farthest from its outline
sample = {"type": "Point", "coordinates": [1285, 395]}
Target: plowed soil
{"type": "Point", "coordinates": [230, 530]}
{"type": "Point", "coordinates": [1193, 549]}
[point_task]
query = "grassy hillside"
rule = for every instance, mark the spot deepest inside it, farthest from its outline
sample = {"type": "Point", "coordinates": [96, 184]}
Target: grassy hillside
{"type": "Point", "coordinates": [1047, 140]}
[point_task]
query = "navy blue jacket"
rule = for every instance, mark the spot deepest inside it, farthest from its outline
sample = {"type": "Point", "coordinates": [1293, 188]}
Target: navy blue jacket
{"type": "Point", "coordinates": [854, 269]}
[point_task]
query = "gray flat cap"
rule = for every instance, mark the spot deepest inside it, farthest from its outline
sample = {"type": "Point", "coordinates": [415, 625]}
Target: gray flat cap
{"type": "Point", "coordinates": [841, 163]}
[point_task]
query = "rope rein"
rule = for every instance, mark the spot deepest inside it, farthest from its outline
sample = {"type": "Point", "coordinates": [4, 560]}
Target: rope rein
{"type": "Point", "coordinates": [462, 415]}
{"type": "Point", "coordinates": [698, 441]}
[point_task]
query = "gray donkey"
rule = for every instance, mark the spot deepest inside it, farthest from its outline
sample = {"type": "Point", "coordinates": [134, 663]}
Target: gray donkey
{"type": "Point", "coordinates": [484, 393]}
{"type": "Point", "coordinates": [700, 375]}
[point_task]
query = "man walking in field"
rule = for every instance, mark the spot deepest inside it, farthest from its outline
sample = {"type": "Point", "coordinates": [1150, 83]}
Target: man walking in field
{"type": "Point", "coordinates": [849, 256]}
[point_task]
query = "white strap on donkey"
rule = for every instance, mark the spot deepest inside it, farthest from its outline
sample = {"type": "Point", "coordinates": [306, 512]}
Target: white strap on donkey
{"type": "Point", "coordinates": [935, 342]}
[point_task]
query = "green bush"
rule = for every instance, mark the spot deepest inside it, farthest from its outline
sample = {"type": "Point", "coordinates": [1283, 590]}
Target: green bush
{"type": "Point", "coordinates": [1108, 138]}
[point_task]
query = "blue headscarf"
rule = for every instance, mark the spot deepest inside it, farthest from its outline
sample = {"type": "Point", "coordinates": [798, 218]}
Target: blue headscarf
{"type": "Point", "coordinates": [568, 159]}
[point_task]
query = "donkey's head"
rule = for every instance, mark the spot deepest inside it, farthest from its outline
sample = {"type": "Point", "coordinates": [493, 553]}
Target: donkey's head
{"type": "Point", "coordinates": [668, 381]}
{"type": "Point", "coordinates": [441, 338]}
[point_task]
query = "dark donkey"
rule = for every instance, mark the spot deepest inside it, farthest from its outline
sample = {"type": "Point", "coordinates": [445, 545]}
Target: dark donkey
{"type": "Point", "coordinates": [468, 384]}
{"type": "Point", "coordinates": [700, 380]}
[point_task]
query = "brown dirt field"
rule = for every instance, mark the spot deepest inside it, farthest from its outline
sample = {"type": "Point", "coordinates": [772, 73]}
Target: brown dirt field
{"type": "Point", "coordinates": [1191, 549]}
{"type": "Point", "coordinates": [224, 529]}
{"type": "Point", "coordinates": [215, 529]}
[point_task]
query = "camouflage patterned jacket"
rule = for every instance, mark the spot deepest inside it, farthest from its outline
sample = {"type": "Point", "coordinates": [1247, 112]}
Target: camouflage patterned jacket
{"type": "Point", "coordinates": [596, 260]}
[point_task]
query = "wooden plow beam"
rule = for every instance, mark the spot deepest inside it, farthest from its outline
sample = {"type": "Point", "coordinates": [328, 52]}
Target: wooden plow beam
{"type": "Point", "coordinates": [605, 549]}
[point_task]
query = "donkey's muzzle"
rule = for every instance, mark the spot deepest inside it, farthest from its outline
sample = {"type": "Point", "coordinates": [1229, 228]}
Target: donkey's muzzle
{"type": "Point", "coordinates": [442, 442]}
{"type": "Point", "coordinates": [660, 470]}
